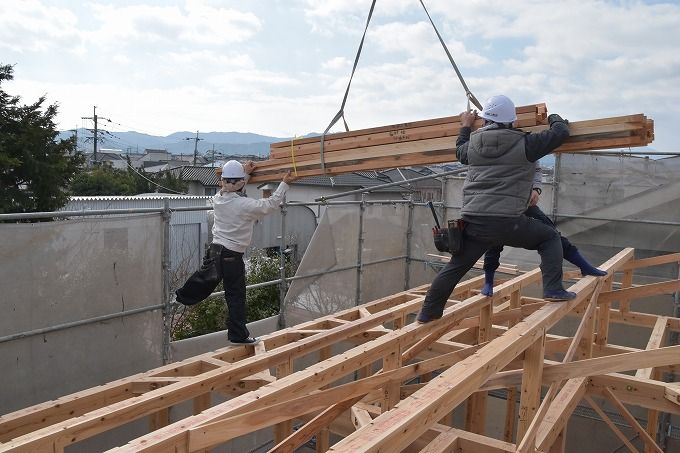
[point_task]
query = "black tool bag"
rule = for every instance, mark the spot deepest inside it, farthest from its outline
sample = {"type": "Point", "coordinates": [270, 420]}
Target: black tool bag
{"type": "Point", "coordinates": [441, 239]}
{"type": "Point", "coordinates": [447, 239]}
{"type": "Point", "coordinates": [203, 282]}
{"type": "Point", "coordinates": [455, 236]}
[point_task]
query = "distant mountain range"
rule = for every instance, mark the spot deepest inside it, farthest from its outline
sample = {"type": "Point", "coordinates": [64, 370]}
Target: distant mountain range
{"type": "Point", "coordinates": [178, 142]}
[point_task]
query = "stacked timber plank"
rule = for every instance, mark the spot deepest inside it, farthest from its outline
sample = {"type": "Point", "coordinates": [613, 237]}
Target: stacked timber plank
{"type": "Point", "coordinates": [398, 145]}
{"type": "Point", "coordinates": [431, 142]}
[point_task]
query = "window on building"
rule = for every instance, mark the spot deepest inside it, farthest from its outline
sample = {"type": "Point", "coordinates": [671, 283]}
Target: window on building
{"type": "Point", "coordinates": [210, 191]}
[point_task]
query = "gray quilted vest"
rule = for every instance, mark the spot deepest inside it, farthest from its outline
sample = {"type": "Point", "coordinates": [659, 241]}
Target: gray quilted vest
{"type": "Point", "coordinates": [499, 178]}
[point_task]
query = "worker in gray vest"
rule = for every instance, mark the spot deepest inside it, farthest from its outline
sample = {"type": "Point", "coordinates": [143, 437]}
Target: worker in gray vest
{"type": "Point", "coordinates": [496, 193]}
{"type": "Point", "coordinates": [569, 250]}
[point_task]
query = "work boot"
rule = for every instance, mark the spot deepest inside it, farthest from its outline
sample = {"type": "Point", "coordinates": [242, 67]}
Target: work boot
{"type": "Point", "coordinates": [424, 318]}
{"type": "Point", "coordinates": [559, 295]}
{"type": "Point", "coordinates": [487, 289]}
{"type": "Point", "coordinates": [575, 258]}
{"type": "Point", "coordinates": [248, 340]}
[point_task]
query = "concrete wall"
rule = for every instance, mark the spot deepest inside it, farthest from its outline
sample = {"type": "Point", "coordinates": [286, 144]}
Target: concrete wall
{"type": "Point", "coordinates": [61, 273]}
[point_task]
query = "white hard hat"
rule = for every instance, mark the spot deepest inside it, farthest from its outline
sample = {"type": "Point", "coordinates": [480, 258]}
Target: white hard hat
{"type": "Point", "coordinates": [499, 109]}
{"type": "Point", "coordinates": [233, 170]}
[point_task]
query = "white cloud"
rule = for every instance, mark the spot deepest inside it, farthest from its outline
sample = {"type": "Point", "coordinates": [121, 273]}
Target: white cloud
{"type": "Point", "coordinates": [257, 66]}
{"type": "Point", "coordinates": [420, 43]}
{"type": "Point", "coordinates": [328, 17]}
{"type": "Point", "coordinates": [337, 63]}
{"type": "Point", "coordinates": [195, 23]}
{"type": "Point", "coordinates": [30, 26]}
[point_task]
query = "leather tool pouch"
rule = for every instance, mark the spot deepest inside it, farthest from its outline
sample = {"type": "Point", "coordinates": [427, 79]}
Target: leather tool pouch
{"type": "Point", "coordinates": [455, 230]}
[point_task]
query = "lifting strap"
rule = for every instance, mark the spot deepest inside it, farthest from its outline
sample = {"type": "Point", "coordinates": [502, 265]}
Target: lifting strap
{"type": "Point", "coordinates": [471, 97]}
{"type": "Point", "coordinates": [341, 112]}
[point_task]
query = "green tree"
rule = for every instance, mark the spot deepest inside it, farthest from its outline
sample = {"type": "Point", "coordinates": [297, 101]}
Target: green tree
{"type": "Point", "coordinates": [35, 167]}
{"type": "Point", "coordinates": [168, 182]}
{"type": "Point", "coordinates": [102, 181]}
{"type": "Point", "coordinates": [112, 181]}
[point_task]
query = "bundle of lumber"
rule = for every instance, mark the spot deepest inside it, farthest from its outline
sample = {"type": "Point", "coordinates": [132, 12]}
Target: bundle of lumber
{"type": "Point", "coordinates": [431, 142]}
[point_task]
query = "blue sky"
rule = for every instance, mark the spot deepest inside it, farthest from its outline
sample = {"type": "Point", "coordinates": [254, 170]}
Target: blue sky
{"type": "Point", "coordinates": [280, 68]}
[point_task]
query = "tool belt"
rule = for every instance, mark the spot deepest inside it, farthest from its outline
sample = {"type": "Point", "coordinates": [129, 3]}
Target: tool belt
{"type": "Point", "coordinates": [450, 239]}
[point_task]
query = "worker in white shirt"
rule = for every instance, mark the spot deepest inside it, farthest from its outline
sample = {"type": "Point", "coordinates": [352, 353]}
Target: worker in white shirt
{"type": "Point", "coordinates": [235, 216]}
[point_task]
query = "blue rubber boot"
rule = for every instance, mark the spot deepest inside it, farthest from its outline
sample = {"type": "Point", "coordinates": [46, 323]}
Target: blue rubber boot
{"type": "Point", "coordinates": [559, 295]}
{"type": "Point", "coordinates": [575, 258]}
{"type": "Point", "coordinates": [487, 289]}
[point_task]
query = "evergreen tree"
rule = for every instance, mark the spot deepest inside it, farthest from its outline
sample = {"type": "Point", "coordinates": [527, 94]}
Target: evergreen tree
{"type": "Point", "coordinates": [103, 181]}
{"type": "Point", "coordinates": [35, 167]}
{"type": "Point", "coordinates": [111, 181]}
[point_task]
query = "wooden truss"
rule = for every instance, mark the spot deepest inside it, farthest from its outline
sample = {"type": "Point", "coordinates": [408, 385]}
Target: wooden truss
{"type": "Point", "coordinates": [386, 384]}
{"type": "Point", "coordinates": [430, 142]}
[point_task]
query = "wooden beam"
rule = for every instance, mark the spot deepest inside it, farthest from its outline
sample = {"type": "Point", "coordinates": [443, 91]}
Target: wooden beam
{"type": "Point", "coordinates": [645, 393]}
{"type": "Point", "coordinates": [603, 314]}
{"type": "Point", "coordinates": [475, 414]}
{"type": "Point", "coordinates": [557, 416]}
{"type": "Point", "coordinates": [656, 340]}
{"type": "Point", "coordinates": [531, 385]}
{"type": "Point", "coordinates": [611, 424]}
{"type": "Point", "coordinates": [641, 291]}
{"type": "Point", "coordinates": [318, 423]}
{"type": "Point", "coordinates": [526, 443]}
{"type": "Point", "coordinates": [650, 443]}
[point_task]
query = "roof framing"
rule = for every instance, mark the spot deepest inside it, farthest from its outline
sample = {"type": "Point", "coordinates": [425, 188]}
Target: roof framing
{"type": "Point", "coordinates": [365, 360]}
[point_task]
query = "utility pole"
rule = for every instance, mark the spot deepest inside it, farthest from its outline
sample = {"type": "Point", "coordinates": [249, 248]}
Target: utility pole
{"type": "Point", "coordinates": [213, 155]}
{"type": "Point", "coordinates": [196, 139]}
{"type": "Point", "coordinates": [95, 137]}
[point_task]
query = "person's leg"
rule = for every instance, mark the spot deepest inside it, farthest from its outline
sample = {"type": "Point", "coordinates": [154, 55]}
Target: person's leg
{"type": "Point", "coordinates": [492, 259]}
{"type": "Point", "coordinates": [572, 255]}
{"type": "Point", "coordinates": [234, 278]}
{"type": "Point", "coordinates": [447, 279]}
{"type": "Point", "coordinates": [204, 281]}
{"type": "Point", "coordinates": [569, 251]}
{"type": "Point", "coordinates": [531, 234]}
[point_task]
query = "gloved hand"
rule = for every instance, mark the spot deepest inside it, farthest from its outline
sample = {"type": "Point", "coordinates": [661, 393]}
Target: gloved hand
{"type": "Point", "coordinates": [554, 117]}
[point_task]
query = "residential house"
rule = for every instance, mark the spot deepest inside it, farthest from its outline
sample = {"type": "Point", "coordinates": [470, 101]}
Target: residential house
{"type": "Point", "coordinates": [200, 180]}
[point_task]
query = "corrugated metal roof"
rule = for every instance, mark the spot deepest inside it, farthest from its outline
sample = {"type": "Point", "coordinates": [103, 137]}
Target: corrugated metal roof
{"type": "Point", "coordinates": [345, 180]}
{"type": "Point", "coordinates": [145, 196]}
{"type": "Point", "coordinates": [204, 175]}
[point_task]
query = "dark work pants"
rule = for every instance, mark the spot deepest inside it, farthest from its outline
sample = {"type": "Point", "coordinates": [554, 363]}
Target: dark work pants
{"type": "Point", "coordinates": [234, 280]}
{"type": "Point", "coordinates": [483, 233]}
{"type": "Point", "coordinates": [223, 264]}
{"type": "Point", "coordinates": [493, 256]}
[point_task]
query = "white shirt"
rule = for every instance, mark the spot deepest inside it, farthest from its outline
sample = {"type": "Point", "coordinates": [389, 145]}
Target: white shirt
{"type": "Point", "coordinates": [235, 217]}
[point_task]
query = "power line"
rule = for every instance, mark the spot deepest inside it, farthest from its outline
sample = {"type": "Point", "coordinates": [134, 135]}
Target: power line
{"type": "Point", "coordinates": [196, 140]}
{"type": "Point", "coordinates": [95, 137]}
{"type": "Point", "coordinates": [149, 180]}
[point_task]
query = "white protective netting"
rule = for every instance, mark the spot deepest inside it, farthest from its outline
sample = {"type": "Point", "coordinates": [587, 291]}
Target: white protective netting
{"type": "Point", "coordinates": [334, 251]}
